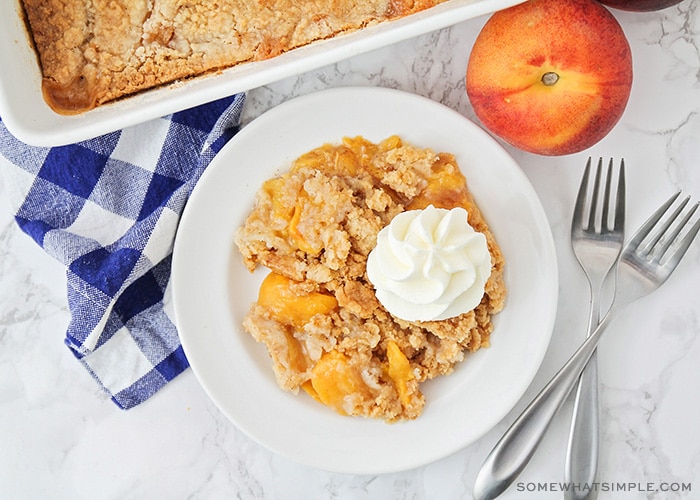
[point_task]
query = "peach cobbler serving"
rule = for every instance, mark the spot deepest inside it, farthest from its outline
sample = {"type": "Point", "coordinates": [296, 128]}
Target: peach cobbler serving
{"type": "Point", "coordinates": [382, 274]}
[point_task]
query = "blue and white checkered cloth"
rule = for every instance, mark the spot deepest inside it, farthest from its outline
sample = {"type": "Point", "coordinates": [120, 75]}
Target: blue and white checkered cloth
{"type": "Point", "coordinates": [108, 209]}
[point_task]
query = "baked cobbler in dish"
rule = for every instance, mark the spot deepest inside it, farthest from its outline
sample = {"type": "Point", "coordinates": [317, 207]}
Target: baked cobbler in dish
{"type": "Point", "coordinates": [92, 52]}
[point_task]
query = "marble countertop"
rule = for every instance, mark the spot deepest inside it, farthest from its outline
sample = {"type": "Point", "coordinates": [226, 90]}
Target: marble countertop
{"type": "Point", "coordinates": [61, 438]}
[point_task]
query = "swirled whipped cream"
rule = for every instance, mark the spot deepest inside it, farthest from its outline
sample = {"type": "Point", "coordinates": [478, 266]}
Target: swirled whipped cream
{"type": "Point", "coordinates": [429, 265]}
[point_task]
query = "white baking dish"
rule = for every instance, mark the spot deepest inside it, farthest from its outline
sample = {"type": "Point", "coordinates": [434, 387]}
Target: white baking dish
{"type": "Point", "coordinates": [28, 117]}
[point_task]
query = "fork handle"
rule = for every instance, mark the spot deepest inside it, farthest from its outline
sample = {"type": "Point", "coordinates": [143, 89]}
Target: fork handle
{"type": "Point", "coordinates": [581, 465]}
{"type": "Point", "coordinates": [582, 452]}
{"type": "Point", "coordinates": [515, 448]}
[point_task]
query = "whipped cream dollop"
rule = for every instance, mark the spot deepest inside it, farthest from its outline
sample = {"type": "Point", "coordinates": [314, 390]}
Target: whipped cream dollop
{"type": "Point", "coordinates": [429, 265]}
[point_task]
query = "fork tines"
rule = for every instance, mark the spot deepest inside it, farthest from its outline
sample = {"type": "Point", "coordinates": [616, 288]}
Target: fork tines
{"type": "Point", "coordinates": [599, 220]}
{"type": "Point", "coordinates": [668, 229]}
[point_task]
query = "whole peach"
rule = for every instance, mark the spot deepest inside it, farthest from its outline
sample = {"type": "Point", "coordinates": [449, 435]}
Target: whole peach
{"type": "Point", "coordinates": [552, 77]}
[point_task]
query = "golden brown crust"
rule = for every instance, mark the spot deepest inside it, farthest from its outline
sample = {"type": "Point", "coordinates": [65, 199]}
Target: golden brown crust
{"type": "Point", "coordinates": [95, 51]}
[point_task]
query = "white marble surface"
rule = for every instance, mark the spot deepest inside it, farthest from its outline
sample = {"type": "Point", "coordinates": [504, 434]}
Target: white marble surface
{"type": "Point", "coordinates": [62, 439]}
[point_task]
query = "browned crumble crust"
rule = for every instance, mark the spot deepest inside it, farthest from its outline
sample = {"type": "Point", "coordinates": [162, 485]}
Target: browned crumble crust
{"type": "Point", "coordinates": [315, 226]}
{"type": "Point", "coordinates": [95, 51]}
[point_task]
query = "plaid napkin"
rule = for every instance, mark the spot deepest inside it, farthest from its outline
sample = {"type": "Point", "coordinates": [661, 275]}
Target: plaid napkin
{"type": "Point", "coordinates": [108, 209]}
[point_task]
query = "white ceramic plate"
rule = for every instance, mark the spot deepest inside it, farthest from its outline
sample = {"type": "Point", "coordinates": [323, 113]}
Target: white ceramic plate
{"type": "Point", "coordinates": [29, 118]}
{"type": "Point", "coordinates": [213, 290]}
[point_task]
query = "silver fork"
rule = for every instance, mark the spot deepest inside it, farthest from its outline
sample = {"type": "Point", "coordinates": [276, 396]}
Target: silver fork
{"type": "Point", "coordinates": [597, 242]}
{"type": "Point", "coordinates": [645, 264]}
